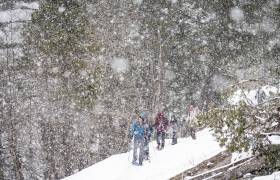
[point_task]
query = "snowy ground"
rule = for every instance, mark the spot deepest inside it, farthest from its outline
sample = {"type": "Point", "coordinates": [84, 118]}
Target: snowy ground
{"type": "Point", "coordinates": [274, 139]}
{"type": "Point", "coordinates": [274, 176]}
{"type": "Point", "coordinates": [164, 164]}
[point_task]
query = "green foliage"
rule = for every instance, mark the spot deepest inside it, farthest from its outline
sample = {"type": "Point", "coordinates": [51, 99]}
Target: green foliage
{"type": "Point", "coordinates": [60, 32]}
{"type": "Point", "coordinates": [275, 71]}
{"type": "Point", "coordinates": [226, 121]}
{"type": "Point", "coordinates": [241, 127]}
{"type": "Point", "coordinates": [237, 126]}
{"type": "Point", "coordinates": [88, 92]}
{"type": "Point", "coordinates": [271, 153]}
{"type": "Point", "coordinates": [64, 32]}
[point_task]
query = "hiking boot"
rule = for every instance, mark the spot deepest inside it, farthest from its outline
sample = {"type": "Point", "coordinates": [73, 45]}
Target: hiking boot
{"type": "Point", "coordinates": [158, 147]}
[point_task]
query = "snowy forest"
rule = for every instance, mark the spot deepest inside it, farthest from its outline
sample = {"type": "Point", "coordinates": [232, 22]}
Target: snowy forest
{"type": "Point", "coordinates": [74, 73]}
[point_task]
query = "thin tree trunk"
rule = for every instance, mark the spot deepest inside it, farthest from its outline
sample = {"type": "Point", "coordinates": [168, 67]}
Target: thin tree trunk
{"type": "Point", "coordinates": [17, 164]}
{"type": "Point", "coordinates": [1, 152]}
{"type": "Point", "coordinates": [12, 140]}
{"type": "Point", "coordinates": [158, 77]}
{"type": "Point", "coordinates": [1, 132]}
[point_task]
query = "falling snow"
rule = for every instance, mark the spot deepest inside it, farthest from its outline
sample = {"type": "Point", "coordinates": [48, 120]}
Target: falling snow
{"type": "Point", "coordinates": [237, 14]}
{"type": "Point", "coordinates": [120, 65]}
{"type": "Point", "coordinates": [74, 75]}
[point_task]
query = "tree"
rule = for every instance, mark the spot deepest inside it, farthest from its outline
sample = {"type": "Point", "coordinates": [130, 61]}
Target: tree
{"type": "Point", "coordinates": [238, 48]}
{"type": "Point", "coordinates": [61, 34]}
{"type": "Point", "coordinates": [243, 126]}
{"type": "Point", "coordinates": [61, 50]}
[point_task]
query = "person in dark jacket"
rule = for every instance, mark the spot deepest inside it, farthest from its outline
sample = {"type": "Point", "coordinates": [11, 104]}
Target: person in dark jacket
{"type": "Point", "coordinates": [175, 127]}
{"type": "Point", "coordinates": [161, 124]}
{"type": "Point", "coordinates": [137, 132]}
{"type": "Point", "coordinates": [148, 130]}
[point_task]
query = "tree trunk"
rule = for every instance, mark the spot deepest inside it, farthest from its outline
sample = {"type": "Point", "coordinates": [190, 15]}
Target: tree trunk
{"type": "Point", "coordinates": [1, 145]}
{"type": "Point", "coordinates": [1, 156]}
{"type": "Point", "coordinates": [158, 71]}
{"type": "Point", "coordinates": [17, 164]}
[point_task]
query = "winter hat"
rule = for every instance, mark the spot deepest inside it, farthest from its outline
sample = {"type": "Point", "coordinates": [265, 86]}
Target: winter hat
{"type": "Point", "coordinates": [142, 115]}
{"type": "Point", "coordinates": [160, 114]}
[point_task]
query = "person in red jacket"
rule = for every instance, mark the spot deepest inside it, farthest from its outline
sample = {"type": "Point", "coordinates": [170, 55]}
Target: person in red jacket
{"type": "Point", "coordinates": [161, 124]}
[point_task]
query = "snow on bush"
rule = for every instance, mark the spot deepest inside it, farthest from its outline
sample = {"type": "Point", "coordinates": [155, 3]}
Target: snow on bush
{"type": "Point", "coordinates": [251, 96]}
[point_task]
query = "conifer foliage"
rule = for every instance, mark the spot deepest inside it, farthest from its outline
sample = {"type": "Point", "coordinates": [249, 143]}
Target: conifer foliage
{"type": "Point", "coordinates": [61, 32]}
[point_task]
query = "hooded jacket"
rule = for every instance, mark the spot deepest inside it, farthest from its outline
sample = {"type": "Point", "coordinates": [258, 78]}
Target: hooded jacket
{"type": "Point", "coordinates": [161, 122]}
{"type": "Point", "coordinates": [137, 130]}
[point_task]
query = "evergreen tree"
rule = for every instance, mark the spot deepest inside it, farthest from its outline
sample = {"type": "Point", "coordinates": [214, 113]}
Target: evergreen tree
{"type": "Point", "coordinates": [60, 33]}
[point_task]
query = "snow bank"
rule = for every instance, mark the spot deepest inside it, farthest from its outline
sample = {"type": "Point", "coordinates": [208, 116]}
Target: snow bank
{"type": "Point", "coordinates": [274, 176]}
{"type": "Point", "coordinates": [164, 164]}
{"type": "Point", "coordinates": [274, 139]}
{"type": "Point", "coordinates": [236, 156]}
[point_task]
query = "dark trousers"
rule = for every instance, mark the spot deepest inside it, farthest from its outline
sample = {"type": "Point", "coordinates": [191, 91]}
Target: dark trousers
{"type": "Point", "coordinates": [146, 148]}
{"type": "Point", "coordinates": [160, 139]}
{"type": "Point", "coordinates": [174, 138]}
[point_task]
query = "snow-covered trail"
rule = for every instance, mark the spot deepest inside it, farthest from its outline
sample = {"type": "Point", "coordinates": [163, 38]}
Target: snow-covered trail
{"type": "Point", "coordinates": [164, 164]}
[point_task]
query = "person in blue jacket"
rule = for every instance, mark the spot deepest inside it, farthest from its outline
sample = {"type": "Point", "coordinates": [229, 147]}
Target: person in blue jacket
{"type": "Point", "coordinates": [137, 131]}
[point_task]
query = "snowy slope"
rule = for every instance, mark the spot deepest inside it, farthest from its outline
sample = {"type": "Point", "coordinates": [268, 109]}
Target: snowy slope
{"type": "Point", "coordinates": [164, 164]}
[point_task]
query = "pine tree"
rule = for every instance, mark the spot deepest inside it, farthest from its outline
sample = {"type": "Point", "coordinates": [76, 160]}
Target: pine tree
{"type": "Point", "coordinates": [60, 33]}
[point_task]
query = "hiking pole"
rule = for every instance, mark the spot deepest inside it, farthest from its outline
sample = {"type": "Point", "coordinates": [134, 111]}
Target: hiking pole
{"type": "Point", "coordinates": [129, 148]}
{"type": "Point", "coordinates": [153, 147]}
{"type": "Point", "coordinates": [129, 138]}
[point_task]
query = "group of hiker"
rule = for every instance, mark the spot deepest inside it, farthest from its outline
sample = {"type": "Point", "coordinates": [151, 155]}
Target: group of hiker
{"type": "Point", "coordinates": [141, 131]}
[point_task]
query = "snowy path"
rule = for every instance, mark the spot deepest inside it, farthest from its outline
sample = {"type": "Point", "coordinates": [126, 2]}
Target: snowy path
{"type": "Point", "coordinates": [164, 164]}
